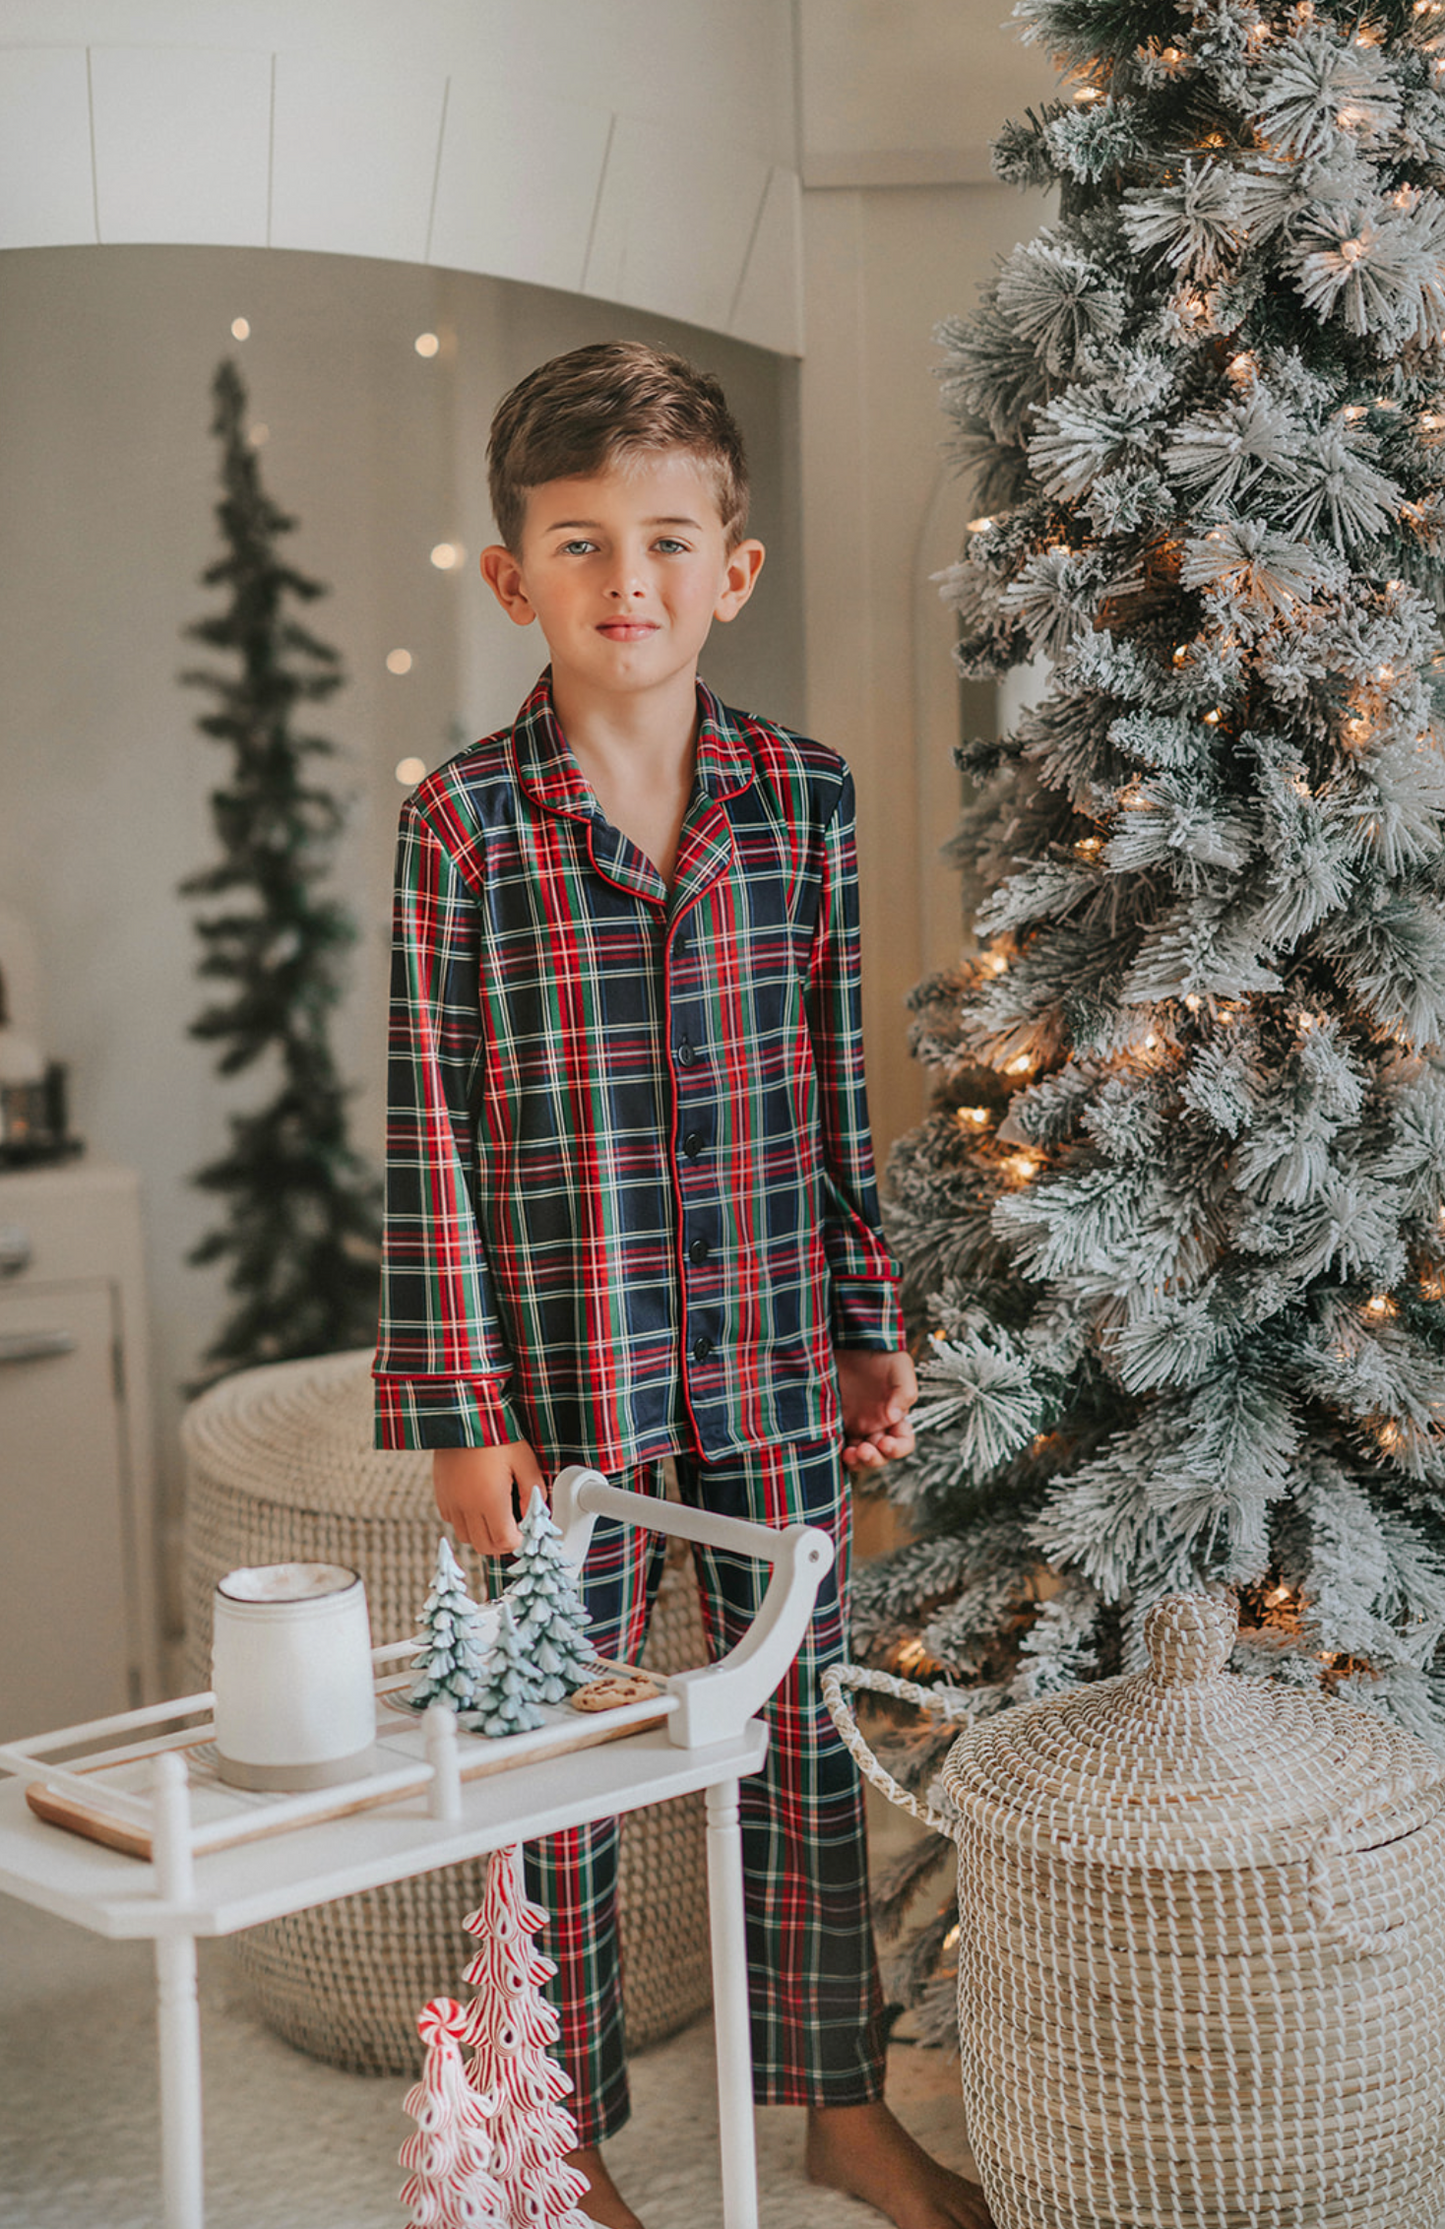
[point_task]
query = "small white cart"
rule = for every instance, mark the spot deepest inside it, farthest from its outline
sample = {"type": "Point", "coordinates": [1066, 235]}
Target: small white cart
{"type": "Point", "coordinates": [415, 1815]}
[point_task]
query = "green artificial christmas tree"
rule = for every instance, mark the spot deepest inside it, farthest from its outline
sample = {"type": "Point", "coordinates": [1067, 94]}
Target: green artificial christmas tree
{"type": "Point", "coordinates": [550, 1613]}
{"type": "Point", "coordinates": [450, 1661]}
{"type": "Point", "coordinates": [1175, 1225]}
{"type": "Point", "coordinates": [301, 1229]}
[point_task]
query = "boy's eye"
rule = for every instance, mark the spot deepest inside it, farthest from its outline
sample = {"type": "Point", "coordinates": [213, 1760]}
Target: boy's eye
{"type": "Point", "coordinates": [670, 545]}
{"type": "Point", "coordinates": [578, 548]}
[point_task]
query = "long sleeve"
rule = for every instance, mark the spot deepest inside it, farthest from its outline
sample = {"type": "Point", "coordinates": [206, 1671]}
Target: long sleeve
{"type": "Point", "coordinates": [865, 1310]}
{"type": "Point", "coordinates": [443, 1369]}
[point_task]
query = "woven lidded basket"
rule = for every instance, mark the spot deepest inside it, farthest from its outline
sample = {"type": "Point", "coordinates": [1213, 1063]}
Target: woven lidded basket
{"type": "Point", "coordinates": [1201, 1975]}
{"type": "Point", "coordinates": [280, 1467]}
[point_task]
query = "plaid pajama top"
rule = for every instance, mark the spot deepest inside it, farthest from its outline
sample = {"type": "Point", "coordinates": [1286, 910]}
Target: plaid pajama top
{"type": "Point", "coordinates": [630, 1191]}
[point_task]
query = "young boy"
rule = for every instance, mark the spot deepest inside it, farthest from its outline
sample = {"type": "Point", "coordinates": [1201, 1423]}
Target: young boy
{"type": "Point", "coordinates": [630, 1206]}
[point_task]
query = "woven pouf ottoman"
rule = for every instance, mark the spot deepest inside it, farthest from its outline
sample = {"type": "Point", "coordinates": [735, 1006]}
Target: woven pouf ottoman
{"type": "Point", "coordinates": [280, 1468]}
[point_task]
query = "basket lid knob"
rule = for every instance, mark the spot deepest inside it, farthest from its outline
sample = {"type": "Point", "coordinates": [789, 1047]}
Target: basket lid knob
{"type": "Point", "coordinates": [1189, 1637]}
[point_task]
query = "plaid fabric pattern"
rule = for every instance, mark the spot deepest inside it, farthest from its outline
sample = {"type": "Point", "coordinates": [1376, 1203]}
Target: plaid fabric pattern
{"type": "Point", "coordinates": [630, 1191]}
{"type": "Point", "coordinates": [812, 1983]}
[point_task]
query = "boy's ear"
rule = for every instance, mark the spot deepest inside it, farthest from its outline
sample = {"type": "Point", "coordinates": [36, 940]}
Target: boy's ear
{"type": "Point", "coordinates": [739, 579]}
{"type": "Point", "coordinates": [503, 575]}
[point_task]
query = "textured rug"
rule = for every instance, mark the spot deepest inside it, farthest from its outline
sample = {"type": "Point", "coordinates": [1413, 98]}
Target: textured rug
{"type": "Point", "coordinates": [294, 2145]}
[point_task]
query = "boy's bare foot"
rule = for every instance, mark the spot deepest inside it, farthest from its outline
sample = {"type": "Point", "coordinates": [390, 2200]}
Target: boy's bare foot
{"type": "Point", "coordinates": [603, 2203]}
{"type": "Point", "coordinates": [864, 2152]}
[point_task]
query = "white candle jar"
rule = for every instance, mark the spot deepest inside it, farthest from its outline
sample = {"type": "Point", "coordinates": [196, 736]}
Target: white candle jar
{"type": "Point", "coordinates": [291, 1670]}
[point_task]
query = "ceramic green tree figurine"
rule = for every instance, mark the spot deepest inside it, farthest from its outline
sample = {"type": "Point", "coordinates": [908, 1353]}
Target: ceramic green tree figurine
{"type": "Point", "coordinates": [506, 1695]}
{"type": "Point", "coordinates": [550, 1613]}
{"type": "Point", "coordinates": [450, 1663]}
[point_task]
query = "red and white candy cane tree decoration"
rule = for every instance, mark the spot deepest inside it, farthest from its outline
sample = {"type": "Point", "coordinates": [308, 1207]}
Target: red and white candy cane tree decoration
{"type": "Point", "coordinates": [450, 2184]}
{"type": "Point", "coordinates": [510, 2026]}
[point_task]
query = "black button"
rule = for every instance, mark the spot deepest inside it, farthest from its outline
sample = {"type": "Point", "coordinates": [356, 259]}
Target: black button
{"type": "Point", "coordinates": [701, 1349]}
{"type": "Point", "coordinates": [698, 1251]}
{"type": "Point", "coordinates": [685, 1055]}
{"type": "Point", "coordinates": [692, 1144]}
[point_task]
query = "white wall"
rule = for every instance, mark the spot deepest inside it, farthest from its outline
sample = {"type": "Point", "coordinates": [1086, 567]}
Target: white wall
{"type": "Point", "coordinates": [107, 485]}
{"type": "Point", "coordinates": [909, 92]}
{"type": "Point", "coordinates": [897, 100]}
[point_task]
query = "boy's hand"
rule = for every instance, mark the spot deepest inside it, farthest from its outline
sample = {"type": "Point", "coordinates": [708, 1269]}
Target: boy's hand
{"type": "Point", "coordinates": [473, 1487]}
{"type": "Point", "coordinates": [877, 1391]}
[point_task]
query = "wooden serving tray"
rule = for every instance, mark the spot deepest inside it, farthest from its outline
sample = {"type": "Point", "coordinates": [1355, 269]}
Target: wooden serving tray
{"type": "Point", "coordinates": [228, 1815]}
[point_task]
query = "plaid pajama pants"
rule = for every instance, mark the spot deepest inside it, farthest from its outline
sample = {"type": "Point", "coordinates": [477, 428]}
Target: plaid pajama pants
{"type": "Point", "coordinates": [812, 1980]}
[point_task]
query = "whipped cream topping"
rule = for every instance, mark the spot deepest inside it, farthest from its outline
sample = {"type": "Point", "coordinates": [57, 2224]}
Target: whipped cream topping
{"type": "Point", "coordinates": [286, 1582]}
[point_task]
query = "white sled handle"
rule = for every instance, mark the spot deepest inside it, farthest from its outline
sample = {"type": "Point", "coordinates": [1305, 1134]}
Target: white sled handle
{"type": "Point", "coordinates": [838, 1680]}
{"type": "Point", "coordinates": [715, 1701]}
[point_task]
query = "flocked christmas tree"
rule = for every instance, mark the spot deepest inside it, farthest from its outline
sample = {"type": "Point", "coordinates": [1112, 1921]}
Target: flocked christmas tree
{"type": "Point", "coordinates": [449, 1664]}
{"type": "Point", "coordinates": [300, 1230]}
{"type": "Point", "coordinates": [1175, 1225]}
{"type": "Point", "coordinates": [550, 1613]}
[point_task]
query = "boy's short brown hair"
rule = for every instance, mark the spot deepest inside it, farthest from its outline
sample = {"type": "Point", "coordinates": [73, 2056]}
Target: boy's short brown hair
{"type": "Point", "coordinates": [600, 405]}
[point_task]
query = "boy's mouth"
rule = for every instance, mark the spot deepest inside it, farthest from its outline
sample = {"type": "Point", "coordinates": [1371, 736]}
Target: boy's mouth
{"type": "Point", "coordinates": [627, 630]}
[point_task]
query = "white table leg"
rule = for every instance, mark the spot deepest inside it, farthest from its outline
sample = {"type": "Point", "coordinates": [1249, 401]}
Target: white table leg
{"type": "Point", "coordinates": [180, 2057]}
{"type": "Point", "coordinates": [178, 2011]}
{"type": "Point", "coordinates": [736, 2130]}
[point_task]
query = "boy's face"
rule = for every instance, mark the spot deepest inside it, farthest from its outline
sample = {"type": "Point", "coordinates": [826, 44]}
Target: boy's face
{"type": "Point", "coordinates": [625, 570]}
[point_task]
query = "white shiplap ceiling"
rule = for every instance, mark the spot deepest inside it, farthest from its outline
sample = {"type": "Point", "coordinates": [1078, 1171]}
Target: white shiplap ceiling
{"type": "Point", "coordinates": [650, 152]}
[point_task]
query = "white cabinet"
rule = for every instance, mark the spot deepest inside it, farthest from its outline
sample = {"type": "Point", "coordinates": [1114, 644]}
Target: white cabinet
{"type": "Point", "coordinates": [77, 1541]}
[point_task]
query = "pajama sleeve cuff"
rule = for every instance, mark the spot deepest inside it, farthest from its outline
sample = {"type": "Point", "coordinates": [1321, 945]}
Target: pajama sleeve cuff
{"type": "Point", "coordinates": [445, 1412]}
{"type": "Point", "coordinates": [866, 1314]}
